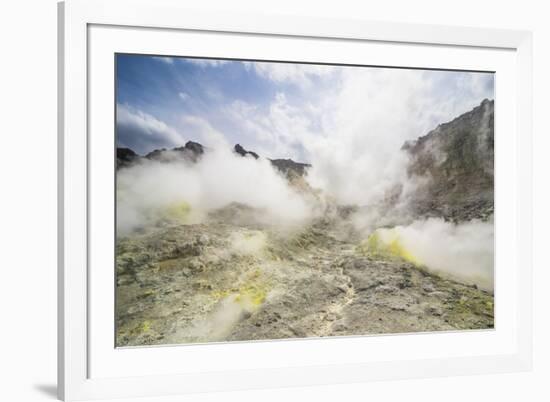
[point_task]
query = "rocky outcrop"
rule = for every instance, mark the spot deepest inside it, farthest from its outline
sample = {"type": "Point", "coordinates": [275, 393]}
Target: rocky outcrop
{"type": "Point", "coordinates": [125, 157]}
{"type": "Point", "coordinates": [288, 166]}
{"type": "Point", "coordinates": [455, 163]}
{"type": "Point", "coordinates": [191, 151]}
{"type": "Point", "coordinates": [243, 152]}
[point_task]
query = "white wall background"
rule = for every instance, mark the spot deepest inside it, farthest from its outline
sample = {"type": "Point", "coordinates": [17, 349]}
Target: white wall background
{"type": "Point", "coordinates": [28, 199]}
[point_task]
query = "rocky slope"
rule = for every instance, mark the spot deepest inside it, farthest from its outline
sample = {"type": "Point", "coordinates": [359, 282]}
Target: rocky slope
{"type": "Point", "coordinates": [125, 157]}
{"type": "Point", "coordinates": [192, 151]}
{"type": "Point", "coordinates": [457, 158]}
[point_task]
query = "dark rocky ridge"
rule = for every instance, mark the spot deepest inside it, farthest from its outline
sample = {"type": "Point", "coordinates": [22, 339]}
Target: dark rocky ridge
{"type": "Point", "coordinates": [288, 165]}
{"type": "Point", "coordinates": [125, 157]}
{"type": "Point", "coordinates": [193, 147]}
{"type": "Point", "coordinates": [457, 159]}
{"type": "Point", "coordinates": [192, 152]}
{"type": "Point", "coordinates": [294, 172]}
{"type": "Point", "coordinates": [243, 152]}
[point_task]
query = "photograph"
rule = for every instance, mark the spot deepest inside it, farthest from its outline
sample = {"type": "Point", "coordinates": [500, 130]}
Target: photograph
{"type": "Point", "coordinates": [212, 201]}
{"type": "Point", "coordinates": [261, 200]}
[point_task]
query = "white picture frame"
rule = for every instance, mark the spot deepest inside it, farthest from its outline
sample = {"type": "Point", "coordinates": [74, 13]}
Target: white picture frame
{"type": "Point", "coordinates": [90, 31]}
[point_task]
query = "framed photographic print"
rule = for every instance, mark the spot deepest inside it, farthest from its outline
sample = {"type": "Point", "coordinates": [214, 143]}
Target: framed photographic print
{"type": "Point", "coordinates": [259, 201]}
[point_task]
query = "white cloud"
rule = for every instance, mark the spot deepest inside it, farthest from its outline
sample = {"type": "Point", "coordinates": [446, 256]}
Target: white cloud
{"type": "Point", "coordinates": [184, 96]}
{"type": "Point", "coordinates": [301, 75]}
{"type": "Point", "coordinates": [208, 62]}
{"type": "Point", "coordinates": [141, 131]}
{"type": "Point", "coordinates": [276, 131]}
{"type": "Point", "coordinates": [167, 60]}
{"type": "Point", "coordinates": [204, 132]}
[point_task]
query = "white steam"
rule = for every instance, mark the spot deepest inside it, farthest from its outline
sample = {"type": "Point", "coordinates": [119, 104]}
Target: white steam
{"type": "Point", "coordinates": [462, 251]}
{"type": "Point", "coordinates": [217, 325]}
{"type": "Point", "coordinates": [150, 189]}
{"type": "Point", "coordinates": [358, 157]}
{"type": "Point", "coordinates": [349, 123]}
{"type": "Point", "coordinates": [353, 122]}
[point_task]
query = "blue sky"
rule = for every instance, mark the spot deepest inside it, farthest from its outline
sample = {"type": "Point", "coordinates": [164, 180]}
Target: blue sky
{"type": "Point", "coordinates": [282, 109]}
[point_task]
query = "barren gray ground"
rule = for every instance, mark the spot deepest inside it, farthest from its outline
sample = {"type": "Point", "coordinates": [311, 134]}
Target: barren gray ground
{"type": "Point", "coordinates": [218, 281]}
